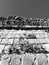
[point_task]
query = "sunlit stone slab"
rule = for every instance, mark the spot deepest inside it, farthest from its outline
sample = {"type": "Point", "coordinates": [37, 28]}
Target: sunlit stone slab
{"type": "Point", "coordinates": [42, 35]}
{"type": "Point", "coordinates": [41, 59]}
{"type": "Point", "coordinates": [11, 36]}
{"type": "Point", "coordinates": [38, 35]}
{"type": "Point", "coordinates": [28, 59]}
{"type": "Point", "coordinates": [48, 35]}
{"type": "Point", "coordinates": [38, 31]}
{"type": "Point", "coordinates": [6, 49]}
{"type": "Point", "coordinates": [5, 60]}
{"type": "Point", "coordinates": [16, 60]}
{"type": "Point", "coordinates": [42, 40]}
{"type": "Point", "coordinates": [17, 36]}
{"type": "Point", "coordinates": [3, 36]}
{"type": "Point", "coordinates": [47, 40]}
{"type": "Point", "coordinates": [16, 41]}
{"type": "Point", "coordinates": [0, 40]}
{"type": "Point", "coordinates": [1, 48]}
{"type": "Point", "coordinates": [36, 41]}
{"type": "Point", "coordinates": [4, 41]}
{"type": "Point", "coordinates": [46, 46]}
{"type": "Point", "coordinates": [33, 41]}
{"type": "Point", "coordinates": [14, 33]}
{"type": "Point", "coordinates": [10, 41]}
{"type": "Point", "coordinates": [45, 34]}
{"type": "Point", "coordinates": [8, 36]}
{"type": "Point", "coordinates": [1, 33]}
{"type": "Point", "coordinates": [10, 32]}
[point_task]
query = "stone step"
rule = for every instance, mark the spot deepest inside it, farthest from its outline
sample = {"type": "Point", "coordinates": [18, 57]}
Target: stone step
{"type": "Point", "coordinates": [25, 59]}
{"type": "Point", "coordinates": [24, 41]}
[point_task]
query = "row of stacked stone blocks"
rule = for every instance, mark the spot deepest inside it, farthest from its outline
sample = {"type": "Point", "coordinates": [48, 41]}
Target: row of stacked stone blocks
{"type": "Point", "coordinates": [13, 36]}
{"type": "Point", "coordinates": [25, 59]}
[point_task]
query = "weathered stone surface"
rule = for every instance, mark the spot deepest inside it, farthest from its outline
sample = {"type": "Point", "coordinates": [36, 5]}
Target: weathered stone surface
{"type": "Point", "coordinates": [28, 59]}
{"type": "Point", "coordinates": [5, 60]}
{"type": "Point", "coordinates": [24, 47]}
{"type": "Point", "coordinates": [1, 48]}
{"type": "Point", "coordinates": [42, 59]}
{"type": "Point", "coordinates": [16, 60]}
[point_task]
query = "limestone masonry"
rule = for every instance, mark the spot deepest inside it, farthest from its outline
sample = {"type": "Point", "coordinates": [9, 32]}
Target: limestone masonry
{"type": "Point", "coordinates": [24, 41]}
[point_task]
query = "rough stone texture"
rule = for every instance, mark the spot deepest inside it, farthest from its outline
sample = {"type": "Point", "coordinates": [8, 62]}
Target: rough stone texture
{"type": "Point", "coordinates": [24, 47]}
{"type": "Point", "coordinates": [8, 38]}
{"type": "Point", "coordinates": [18, 37]}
